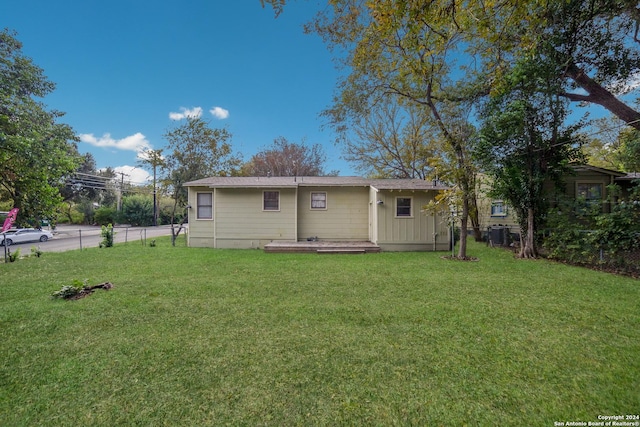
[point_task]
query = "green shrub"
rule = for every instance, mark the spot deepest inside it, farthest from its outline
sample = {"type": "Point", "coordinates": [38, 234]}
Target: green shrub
{"type": "Point", "coordinates": [105, 215]}
{"type": "Point", "coordinates": [582, 234]}
{"type": "Point", "coordinates": [13, 257]}
{"type": "Point", "coordinates": [137, 210]}
{"type": "Point", "coordinates": [69, 291]}
{"type": "Point", "coordinates": [107, 236]}
{"type": "Point", "coordinates": [36, 251]}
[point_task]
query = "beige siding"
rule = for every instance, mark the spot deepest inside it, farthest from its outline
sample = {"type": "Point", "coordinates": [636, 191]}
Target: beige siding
{"type": "Point", "coordinates": [352, 213]}
{"type": "Point", "coordinates": [345, 218]}
{"type": "Point", "coordinates": [421, 231]}
{"type": "Point", "coordinates": [241, 221]}
{"type": "Point", "coordinates": [201, 232]}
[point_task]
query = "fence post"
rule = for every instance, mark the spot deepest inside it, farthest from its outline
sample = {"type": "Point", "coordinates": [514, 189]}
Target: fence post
{"type": "Point", "coordinates": [80, 234]}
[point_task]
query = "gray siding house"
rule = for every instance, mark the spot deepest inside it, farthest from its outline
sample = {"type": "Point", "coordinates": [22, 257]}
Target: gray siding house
{"type": "Point", "coordinates": [250, 212]}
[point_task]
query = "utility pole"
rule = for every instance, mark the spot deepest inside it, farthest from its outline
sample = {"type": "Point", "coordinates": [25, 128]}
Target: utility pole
{"type": "Point", "coordinates": [122, 175]}
{"type": "Point", "coordinates": [154, 159]}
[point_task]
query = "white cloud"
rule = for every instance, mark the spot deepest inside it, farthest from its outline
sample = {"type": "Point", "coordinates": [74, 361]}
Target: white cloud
{"type": "Point", "coordinates": [132, 174]}
{"type": "Point", "coordinates": [195, 112]}
{"type": "Point", "coordinates": [219, 113]}
{"type": "Point", "coordinates": [143, 155]}
{"type": "Point", "coordinates": [135, 142]}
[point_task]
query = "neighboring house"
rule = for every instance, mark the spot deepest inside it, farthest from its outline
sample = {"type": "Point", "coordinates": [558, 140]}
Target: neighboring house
{"type": "Point", "coordinates": [250, 212]}
{"type": "Point", "coordinates": [588, 183]}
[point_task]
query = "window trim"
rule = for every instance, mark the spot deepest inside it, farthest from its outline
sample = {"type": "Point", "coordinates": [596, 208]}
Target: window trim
{"type": "Point", "coordinates": [410, 207]}
{"type": "Point", "coordinates": [198, 206]}
{"type": "Point", "coordinates": [590, 183]}
{"type": "Point", "coordinates": [313, 208]}
{"type": "Point", "coordinates": [264, 207]}
{"type": "Point", "coordinates": [589, 203]}
{"type": "Point", "coordinates": [504, 211]}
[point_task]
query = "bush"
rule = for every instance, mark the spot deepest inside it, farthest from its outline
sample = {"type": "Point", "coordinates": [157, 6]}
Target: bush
{"type": "Point", "coordinates": [105, 215]}
{"type": "Point", "coordinates": [137, 210]}
{"type": "Point", "coordinates": [107, 236]}
{"type": "Point", "coordinates": [13, 257]}
{"type": "Point", "coordinates": [586, 236]}
{"type": "Point", "coordinates": [69, 291]}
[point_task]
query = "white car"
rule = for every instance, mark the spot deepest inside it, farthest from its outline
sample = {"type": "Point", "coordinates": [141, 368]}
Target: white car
{"type": "Point", "coordinates": [23, 235]}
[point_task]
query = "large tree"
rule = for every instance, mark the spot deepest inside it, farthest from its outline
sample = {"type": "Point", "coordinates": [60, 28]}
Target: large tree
{"type": "Point", "coordinates": [440, 52]}
{"type": "Point", "coordinates": [286, 158]}
{"type": "Point", "coordinates": [592, 43]}
{"type": "Point", "coordinates": [195, 151]}
{"type": "Point", "coordinates": [36, 152]}
{"type": "Point", "coordinates": [525, 144]}
{"type": "Point", "coordinates": [404, 50]}
{"type": "Point", "coordinates": [393, 140]}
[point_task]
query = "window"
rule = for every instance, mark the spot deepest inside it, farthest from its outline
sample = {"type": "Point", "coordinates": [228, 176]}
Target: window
{"type": "Point", "coordinates": [271, 201]}
{"type": "Point", "coordinates": [403, 206]}
{"type": "Point", "coordinates": [204, 206]}
{"type": "Point", "coordinates": [318, 200]}
{"type": "Point", "coordinates": [590, 194]}
{"type": "Point", "coordinates": [498, 208]}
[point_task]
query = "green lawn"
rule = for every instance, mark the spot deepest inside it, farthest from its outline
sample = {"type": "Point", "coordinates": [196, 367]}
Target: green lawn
{"type": "Point", "coordinates": [197, 337]}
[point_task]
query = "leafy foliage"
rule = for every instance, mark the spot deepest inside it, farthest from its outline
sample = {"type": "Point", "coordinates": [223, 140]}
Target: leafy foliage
{"type": "Point", "coordinates": [582, 234]}
{"type": "Point", "coordinates": [15, 255]}
{"type": "Point", "coordinates": [36, 152]}
{"type": "Point", "coordinates": [392, 140]}
{"type": "Point", "coordinates": [107, 236]}
{"type": "Point", "coordinates": [69, 291]}
{"type": "Point", "coordinates": [137, 210]}
{"type": "Point", "coordinates": [524, 144]}
{"type": "Point", "coordinates": [286, 158]}
{"type": "Point", "coordinates": [196, 151]}
{"type": "Point", "coordinates": [105, 215]}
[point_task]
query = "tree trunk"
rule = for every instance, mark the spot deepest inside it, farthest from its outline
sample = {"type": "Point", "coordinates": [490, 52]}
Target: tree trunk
{"type": "Point", "coordinates": [474, 216]}
{"type": "Point", "coordinates": [528, 246]}
{"type": "Point", "coordinates": [601, 96]}
{"type": "Point", "coordinates": [462, 249]}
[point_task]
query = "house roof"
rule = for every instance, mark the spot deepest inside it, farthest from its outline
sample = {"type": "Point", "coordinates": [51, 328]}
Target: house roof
{"type": "Point", "coordinates": [629, 177]}
{"type": "Point", "coordinates": [316, 181]}
{"type": "Point", "coordinates": [598, 169]}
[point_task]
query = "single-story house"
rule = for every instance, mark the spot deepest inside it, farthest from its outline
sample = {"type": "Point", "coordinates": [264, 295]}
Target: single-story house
{"type": "Point", "coordinates": [251, 212]}
{"type": "Point", "coordinates": [586, 182]}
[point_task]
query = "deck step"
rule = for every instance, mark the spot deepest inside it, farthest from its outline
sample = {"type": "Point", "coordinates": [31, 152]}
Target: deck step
{"type": "Point", "coordinates": [322, 247]}
{"type": "Point", "coordinates": [341, 251]}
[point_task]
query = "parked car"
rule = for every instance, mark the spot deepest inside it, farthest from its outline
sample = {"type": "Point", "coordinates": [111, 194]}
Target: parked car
{"type": "Point", "coordinates": [23, 235]}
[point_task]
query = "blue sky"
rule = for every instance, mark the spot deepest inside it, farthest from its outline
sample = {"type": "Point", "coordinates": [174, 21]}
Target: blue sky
{"type": "Point", "coordinates": [124, 69]}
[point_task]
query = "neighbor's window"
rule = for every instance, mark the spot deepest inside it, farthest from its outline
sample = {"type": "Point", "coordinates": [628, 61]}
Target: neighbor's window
{"type": "Point", "coordinates": [204, 206]}
{"type": "Point", "coordinates": [591, 193]}
{"type": "Point", "coordinates": [318, 200]}
{"type": "Point", "coordinates": [271, 201]}
{"type": "Point", "coordinates": [403, 206]}
{"type": "Point", "coordinates": [498, 208]}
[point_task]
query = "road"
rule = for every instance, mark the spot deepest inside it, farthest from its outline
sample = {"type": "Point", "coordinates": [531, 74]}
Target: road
{"type": "Point", "coordinates": [71, 237]}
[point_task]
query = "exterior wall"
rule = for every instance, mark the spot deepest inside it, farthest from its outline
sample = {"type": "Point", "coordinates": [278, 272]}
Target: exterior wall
{"type": "Point", "coordinates": [352, 214]}
{"type": "Point", "coordinates": [589, 177]}
{"type": "Point", "coordinates": [346, 217]}
{"type": "Point", "coordinates": [242, 223]}
{"type": "Point", "coordinates": [486, 210]}
{"type": "Point", "coordinates": [239, 220]}
{"type": "Point", "coordinates": [201, 232]}
{"type": "Point", "coordinates": [419, 232]}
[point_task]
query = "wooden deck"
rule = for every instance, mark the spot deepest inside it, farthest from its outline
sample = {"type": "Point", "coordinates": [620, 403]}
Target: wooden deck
{"type": "Point", "coordinates": [322, 247]}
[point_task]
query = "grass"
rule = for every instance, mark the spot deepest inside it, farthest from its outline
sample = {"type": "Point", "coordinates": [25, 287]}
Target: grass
{"type": "Point", "coordinates": [220, 337]}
